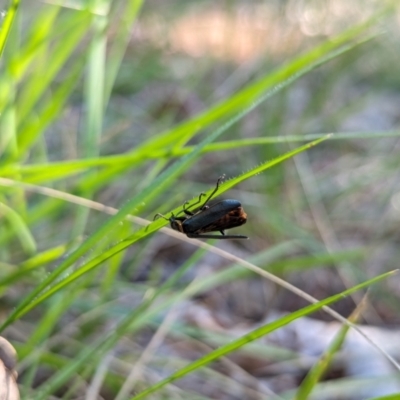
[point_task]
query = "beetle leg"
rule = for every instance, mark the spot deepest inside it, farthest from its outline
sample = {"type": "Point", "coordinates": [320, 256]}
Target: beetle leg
{"type": "Point", "coordinates": [185, 210]}
{"type": "Point", "coordinates": [197, 236]}
{"type": "Point", "coordinates": [220, 179]}
{"type": "Point", "coordinates": [204, 206]}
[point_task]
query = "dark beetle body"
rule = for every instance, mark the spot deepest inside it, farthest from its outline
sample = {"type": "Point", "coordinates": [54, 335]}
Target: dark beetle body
{"type": "Point", "coordinates": [226, 214]}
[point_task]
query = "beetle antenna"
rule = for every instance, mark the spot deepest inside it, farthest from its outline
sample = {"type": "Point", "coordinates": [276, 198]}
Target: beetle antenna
{"type": "Point", "coordinates": [220, 179]}
{"type": "Point", "coordinates": [160, 215]}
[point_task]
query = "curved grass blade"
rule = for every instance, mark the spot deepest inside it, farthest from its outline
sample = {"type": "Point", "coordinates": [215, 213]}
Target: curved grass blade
{"type": "Point", "coordinates": [140, 234]}
{"type": "Point", "coordinates": [166, 179]}
{"type": "Point", "coordinates": [256, 334]}
{"type": "Point", "coordinates": [21, 230]}
{"type": "Point", "coordinates": [7, 23]}
{"type": "Point", "coordinates": [320, 367]}
{"type": "Point", "coordinates": [272, 83]}
{"type": "Point", "coordinates": [103, 345]}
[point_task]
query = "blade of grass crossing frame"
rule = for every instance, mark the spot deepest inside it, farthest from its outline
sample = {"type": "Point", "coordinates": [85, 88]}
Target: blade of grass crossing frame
{"type": "Point", "coordinates": [299, 66]}
{"type": "Point", "coordinates": [273, 82]}
{"type": "Point", "coordinates": [152, 190]}
{"type": "Point", "coordinates": [35, 125]}
{"type": "Point", "coordinates": [37, 36]}
{"type": "Point", "coordinates": [93, 98]}
{"type": "Point", "coordinates": [133, 158]}
{"type": "Point", "coordinates": [32, 301]}
{"type": "Point", "coordinates": [19, 60]}
{"type": "Point", "coordinates": [37, 173]}
{"type": "Point", "coordinates": [21, 230]}
{"type": "Point", "coordinates": [7, 23]}
{"type": "Point", "coordinates": [256, 334]}
{"type": "Point", "coordinates": [103, 345]}
{"type": "Point", "coordinates": [156, 187]}
{"type": "Point", "coordinates": [320, 367]}
{"type": "Point", "coordinates": [94, 81]}
{"type": "Point", "coordinates": [101, 177]}
{"type": "Point", "coordinates": [40, 82]}
{"type": "Point", "coordinates": [254, 171]}
{"type": "Point", "coordinates": [125, 21]}
{"type": "Point", "coordinates": [37, 261]}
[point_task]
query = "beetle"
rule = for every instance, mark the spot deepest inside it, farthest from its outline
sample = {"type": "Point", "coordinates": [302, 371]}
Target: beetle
{"type": "Point", "coordinates": [226, 214]}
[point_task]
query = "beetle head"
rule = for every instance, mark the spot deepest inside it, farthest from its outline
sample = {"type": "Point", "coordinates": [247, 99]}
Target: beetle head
{"type": "Point", "coordinates": [176, 223]}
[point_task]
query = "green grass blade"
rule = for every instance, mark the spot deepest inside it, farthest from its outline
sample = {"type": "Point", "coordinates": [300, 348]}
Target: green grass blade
{"type": "Point", "coordinates": [273, 82]}
{"type": "Point", "coordinates": [35, 125]}
{"type": "Point", "coordinates": [256, 334]}
{"type": "Point", "coordinates": [270, 84]}
{"type": "Point", "coordinates": [37, 173]}
{"type": "Point", "coordinates": [7, 23]}
{"type": "Point", "coordinates": [316, 372]}
{"type": "Point", "coordinates": [119, 45]}
{"type": "Point", "coordinates": [26, 267]}
{"type": "Point", "coordinates": [20, 228]}
{"type": "Point", "coordinates": [103, 344]}
{"type": "Point", "coordinates": [94, 81]}
{"type": "Point", "coordinates": [35, 299]}
{"type": "Point", "coordinates": [150, 191]}
{"type": "Point", "coordinates": [41, 30]}
{"type": "Point", "coordinates": [395, 396]}
{"type": "Point", "coordinates": [38, 85]}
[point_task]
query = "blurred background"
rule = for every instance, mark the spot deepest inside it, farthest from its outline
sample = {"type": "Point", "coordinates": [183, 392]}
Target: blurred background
{"type": "Point", "coordinates": [85, 84]}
